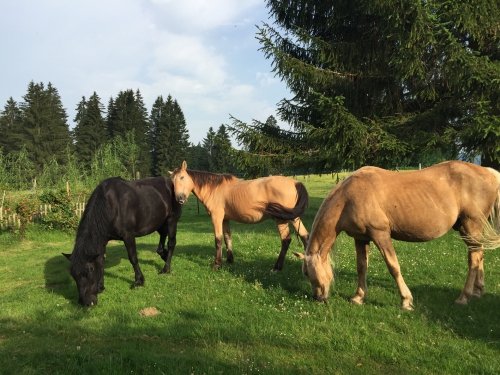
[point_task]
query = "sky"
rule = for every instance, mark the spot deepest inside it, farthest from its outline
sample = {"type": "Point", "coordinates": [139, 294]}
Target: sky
{"type": "Point", "coordinates": [201, 52]}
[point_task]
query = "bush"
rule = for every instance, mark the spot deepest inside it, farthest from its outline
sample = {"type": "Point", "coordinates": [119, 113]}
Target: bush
{"type": "Point", "coordinates": [25, 209]}
{"type": "Point", "coordinates": [61, 215]}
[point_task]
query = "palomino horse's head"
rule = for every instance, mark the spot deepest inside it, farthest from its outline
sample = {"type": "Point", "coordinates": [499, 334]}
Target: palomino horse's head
{"type": "Point", "coordinates": [319, 272]}
{"type": "Point", "coordinates": [183, 183]}
{"type": "Point", "coordinates": [87, 276]}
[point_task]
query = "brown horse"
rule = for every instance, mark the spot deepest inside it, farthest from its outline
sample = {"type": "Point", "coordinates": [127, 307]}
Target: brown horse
{"type": "Point", "coordinates": [226, 197]}
{"type": "Point", "coordinates": [373, 204]}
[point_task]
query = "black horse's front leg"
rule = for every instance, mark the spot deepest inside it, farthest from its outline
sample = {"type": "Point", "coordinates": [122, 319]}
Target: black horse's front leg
{"type": "Point", "coordinates": [172, 241]}
{"type": "Point", "coordinates": [100, 263]}
{"type": "Point", "coordinates": [132, 256]}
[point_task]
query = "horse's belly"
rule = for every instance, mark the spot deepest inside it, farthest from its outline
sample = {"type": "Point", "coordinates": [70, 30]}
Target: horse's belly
{"type": "Point", "coordinates": [419, 233]}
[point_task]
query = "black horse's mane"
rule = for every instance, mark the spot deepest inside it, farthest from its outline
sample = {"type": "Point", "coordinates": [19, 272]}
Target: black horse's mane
{"type": "Point", "coordinates": [202, 178]}
{"type": "Point", "coordinates": [92, 231]}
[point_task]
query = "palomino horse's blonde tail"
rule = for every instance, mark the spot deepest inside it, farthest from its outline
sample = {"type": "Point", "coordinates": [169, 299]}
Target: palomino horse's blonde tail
{"type": "Point", "coordinates": [490, 238]}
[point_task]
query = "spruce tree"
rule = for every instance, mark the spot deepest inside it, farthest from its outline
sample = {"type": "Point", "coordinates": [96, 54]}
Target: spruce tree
{"type": "Point", "coordinates": [170, 135]}
{"type": "Point", "coordinates": [208, 145]}
{"type": "Point", "coordinates": [10, 127]}
{"type": "Point", "coordinates": [179, 136]}
{"type": "Point", "coordinates": [197, 158]}
{"type": "Point", "coordinates": [90, 130]}
{"type": "Point", "coordinates": [379, 82]}
{"type": "Point", "coordinates": [142, 136]}
{"type": "Point", "coordinates": [45, 130]}
{"type": "Point", "coordinates": [222, 152]}
{"type": "Point", "coordinates": [126, 113]}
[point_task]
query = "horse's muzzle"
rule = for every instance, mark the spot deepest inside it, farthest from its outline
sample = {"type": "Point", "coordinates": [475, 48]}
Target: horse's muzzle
{"type": "Point", "coordinates": [90, 301]}
{"type": "Point", "coordinates": [181, 198]}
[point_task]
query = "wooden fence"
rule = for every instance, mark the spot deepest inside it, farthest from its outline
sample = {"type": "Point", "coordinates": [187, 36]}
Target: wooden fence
{"type": "Point", "coordinates": [10, 219]}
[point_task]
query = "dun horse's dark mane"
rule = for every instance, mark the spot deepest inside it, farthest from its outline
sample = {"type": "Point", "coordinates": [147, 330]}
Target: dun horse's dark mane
{"type": "Point", "coordinates": [92, 231]}
{"type": "Point", "coordinates": [202, 178]}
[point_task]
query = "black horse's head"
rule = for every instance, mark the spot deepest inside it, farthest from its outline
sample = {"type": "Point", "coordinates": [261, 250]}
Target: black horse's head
{"type": "Point", "coordinates": [88, 276]}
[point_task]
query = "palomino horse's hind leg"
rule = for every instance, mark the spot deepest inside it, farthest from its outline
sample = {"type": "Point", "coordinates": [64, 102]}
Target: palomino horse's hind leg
{"type": "Point", "coordinates": [129, 241]}
{"type": "Point", "coordinates": [284, 232]}
{"type": "Point", "coordinates": [479, 282]}
{"type": "Point", "coordinates": [362, 256]}
{"type": "Point", "coordinates": [474, 283]}
{"type": "Point", "coordinates": [227, 239]}
{"type": "Point", "coordinates": [383, 241]}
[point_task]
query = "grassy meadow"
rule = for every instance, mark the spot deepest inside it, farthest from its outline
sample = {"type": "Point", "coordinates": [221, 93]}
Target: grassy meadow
{"type": "Point", "coordinates": [243, 319]}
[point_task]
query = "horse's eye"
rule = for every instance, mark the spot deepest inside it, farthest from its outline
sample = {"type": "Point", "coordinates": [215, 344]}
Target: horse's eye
{"type": "Point", "coordinates": [182, 177]}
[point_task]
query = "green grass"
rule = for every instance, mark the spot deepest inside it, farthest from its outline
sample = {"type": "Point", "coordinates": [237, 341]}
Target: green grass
{"type": "Point", "coordinates": [243, 319]}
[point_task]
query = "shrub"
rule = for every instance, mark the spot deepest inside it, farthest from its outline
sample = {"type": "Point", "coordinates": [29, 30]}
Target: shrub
{"type": "Point", "coordinates": [25, 209]}
{"type": "Point", "coordinates": [61, 215]}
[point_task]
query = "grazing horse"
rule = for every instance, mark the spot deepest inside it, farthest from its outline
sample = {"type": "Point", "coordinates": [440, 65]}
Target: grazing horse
{"type": "Point", "coordinates": [226, 197]}
{"type": "Point", "coordinates": [373, 204]}
{"type": "Point", "coordinates": [122, 210]}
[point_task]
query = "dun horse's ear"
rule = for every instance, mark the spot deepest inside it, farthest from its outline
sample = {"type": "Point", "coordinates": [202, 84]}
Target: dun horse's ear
{"type": "Point", "coordinates": [67, 256]}
{"type": "Point", "coordinates": [184, 165]}
{"type": "Point", "coordinates": [170, 172]}
{"type": "Point", "coordinates": [299, 255]}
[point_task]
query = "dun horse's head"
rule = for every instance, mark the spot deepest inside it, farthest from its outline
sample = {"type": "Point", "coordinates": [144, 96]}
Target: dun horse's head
{"type": "Point", "coordinates": [183, 184]}
{"type": "Point", "coordinates": [88, 276]}
{"type": "Point", "coordinates": [319, 272]}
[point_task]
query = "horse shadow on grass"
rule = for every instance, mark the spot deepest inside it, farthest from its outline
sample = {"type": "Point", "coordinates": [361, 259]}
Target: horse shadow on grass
{"type": "Point", "coordinates": [58, 280]}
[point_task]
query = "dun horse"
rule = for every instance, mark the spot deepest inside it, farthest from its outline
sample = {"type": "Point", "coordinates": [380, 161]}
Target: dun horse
{"type": "Point", "coordinates": [245, 201]}
{"type": "Point", "coordinates": [122, 210]}
{"type": "Point", "coordinates": [376, 205]}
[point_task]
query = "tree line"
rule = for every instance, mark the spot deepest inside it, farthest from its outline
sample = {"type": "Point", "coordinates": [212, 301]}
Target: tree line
{"type": "Point", "coordinates": [38, 147]}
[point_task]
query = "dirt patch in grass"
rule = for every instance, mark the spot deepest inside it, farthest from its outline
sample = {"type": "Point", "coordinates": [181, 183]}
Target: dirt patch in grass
{"type": "Point", "coordinates": [149, 311]}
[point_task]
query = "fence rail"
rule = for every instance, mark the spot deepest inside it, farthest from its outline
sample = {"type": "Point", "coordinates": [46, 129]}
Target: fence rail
{"type": "Point", "coordinates": [12, 220]}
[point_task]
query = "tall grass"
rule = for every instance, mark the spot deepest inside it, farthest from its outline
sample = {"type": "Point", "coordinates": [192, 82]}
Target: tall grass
{"type": "Point", "coordinates": [243, 319]}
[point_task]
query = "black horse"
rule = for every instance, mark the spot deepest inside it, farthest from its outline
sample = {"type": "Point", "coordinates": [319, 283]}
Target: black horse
{"type": "Point", "coordinates": [122, 210]}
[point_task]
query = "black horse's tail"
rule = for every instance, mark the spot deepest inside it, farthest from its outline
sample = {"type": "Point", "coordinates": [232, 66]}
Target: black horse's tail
{"type": "Point", "coordinates": [92, 231]}
{"type": "Point", "coordinates": [278, 211]}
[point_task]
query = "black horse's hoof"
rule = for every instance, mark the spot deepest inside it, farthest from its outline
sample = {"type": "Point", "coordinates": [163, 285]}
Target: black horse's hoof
{"type": "Point", "coordinates": [136, 284]}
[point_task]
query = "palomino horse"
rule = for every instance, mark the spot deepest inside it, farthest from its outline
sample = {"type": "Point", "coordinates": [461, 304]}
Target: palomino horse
{"type": "Point", "coordinates": [122, 210]}
{"type": "Point", "coordinates": [373, 204]}
{"type": "Point", "coordinates": [226, 197]}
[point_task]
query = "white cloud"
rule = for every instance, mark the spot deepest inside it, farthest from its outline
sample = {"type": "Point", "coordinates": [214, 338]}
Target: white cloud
{"type": "Point", "coordinates": [203, 53]}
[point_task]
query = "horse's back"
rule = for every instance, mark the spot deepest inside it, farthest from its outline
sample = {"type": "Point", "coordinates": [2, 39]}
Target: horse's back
{"type": "Point", "coordinates": [139, 206]}
{"type": "Point", "coordinates": [414, 206]}
{"type": "Point", "coordinates": [244, 199]}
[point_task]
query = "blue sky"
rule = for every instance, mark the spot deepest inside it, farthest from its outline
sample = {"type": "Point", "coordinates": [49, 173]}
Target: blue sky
{"type": "Point", "coordinates": [202, 52]}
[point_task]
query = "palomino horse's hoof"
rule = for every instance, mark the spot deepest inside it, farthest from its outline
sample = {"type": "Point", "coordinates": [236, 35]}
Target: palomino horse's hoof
{"type": "Point", "coordinates": [460, 302]}
{"type": "Point", "coordinates": [356, 301]}
{"type": "Point", "coordinates": [216, 267]}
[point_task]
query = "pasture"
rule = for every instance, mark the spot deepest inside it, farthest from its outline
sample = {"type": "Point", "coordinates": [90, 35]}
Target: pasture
{"type": "Point", "coordinates": [243, 319]}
